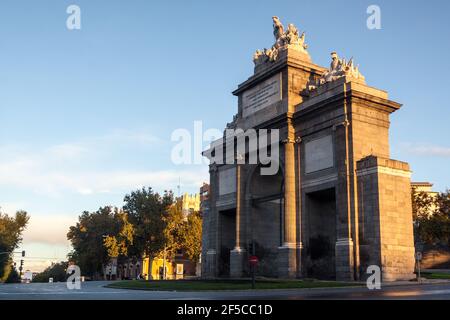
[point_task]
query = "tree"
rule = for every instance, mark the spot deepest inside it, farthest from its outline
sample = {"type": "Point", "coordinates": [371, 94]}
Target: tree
{"type": "Point", "coordinates": [87, 238]}
{"type": "Point", "coordinates": [422, 203]}
{"type": "Point", "coordinates": [443, 203]}
{"type": "Point", "coordinates": [183, 233]}
{"type": "Point", "coordinates": [57, 271]}
{"type": "Point", "coordinates": [118, 245]}
{"type": "Point", "coordinates": [432, 217]}
{"type": "Point", "coordinates": [13, 276]}
{"type": "Point", "coordinates": [11, 230]}
{"type": "Point", "coordinates": [174, 228]}
{"type": "Point", "coordinates": [192, 236]}
{"type": "Point", "coordinates": [149, 225]}
{"type": "Point", "coordinates": [146, 210]}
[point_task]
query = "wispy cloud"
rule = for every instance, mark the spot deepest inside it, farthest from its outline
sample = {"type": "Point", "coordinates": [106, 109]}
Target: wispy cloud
{"type": "Point", "coordinates": [11, 207]}
{"type": "Point", "coordinates": [71, 167]}
{"type": "Point", "coordinates": [427, 150]}
{"type": "Point", "coordinates": [88, 183]}
{"type": "Point", "coordinates": [48, 229]}
{"type": "Point", "coordinates": [67, 151]}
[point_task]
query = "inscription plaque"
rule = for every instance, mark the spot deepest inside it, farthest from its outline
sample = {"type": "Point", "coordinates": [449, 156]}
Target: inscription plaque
{"type": "Point", "coordinates": [262, 95]}
{"type": "Point", "coordinates": [227, 181]}
{"type": "Point", "coordinates": [318, 154]}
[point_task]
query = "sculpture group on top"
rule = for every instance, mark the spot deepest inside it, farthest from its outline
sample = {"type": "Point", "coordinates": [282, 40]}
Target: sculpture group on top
{"type": "Point", "coordinates": [338, 68]}
{"type": "Point", "coordinates": [291, 38]}
{"type": "Point", "coordinates": [283, 38]}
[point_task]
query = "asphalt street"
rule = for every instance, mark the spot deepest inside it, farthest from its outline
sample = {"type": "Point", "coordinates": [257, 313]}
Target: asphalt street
{"type": "Point", "coordinates": [96, 291]}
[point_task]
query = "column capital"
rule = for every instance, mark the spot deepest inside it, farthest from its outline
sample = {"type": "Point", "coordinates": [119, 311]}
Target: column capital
{"type": "Point", "coordinates": [344, 123]}
{"type": "Point", "coordinates": [239, 158]}
{"type": "Point", "coordinates": [297, 139]}
{"type": "Point", "coordinates": [288, 140]}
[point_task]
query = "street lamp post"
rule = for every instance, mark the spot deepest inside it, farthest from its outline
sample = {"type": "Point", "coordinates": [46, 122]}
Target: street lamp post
{"type": "Point", "coordinates": [164, 265]}
{"type": "Point", "coordinates": [418, 248]}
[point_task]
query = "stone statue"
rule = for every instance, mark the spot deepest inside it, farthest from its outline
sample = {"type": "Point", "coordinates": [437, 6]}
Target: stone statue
{"type": "Point", "coordinates": [292, 37]}
{"type": "Point", "coordinates": [271, 54]}
{"type": "Point", "coordinates": [292, 34]}
{"type": "Point", "coordinates": [257, 55]}
{"type": "Point", "coordinates": [338, 68]}
{"type": "Point", "coordinates": [283, 39]}
{"type": "Point", "coordinates": [335, 62]}
{"type": "Point", "coordinates": [278, 29]}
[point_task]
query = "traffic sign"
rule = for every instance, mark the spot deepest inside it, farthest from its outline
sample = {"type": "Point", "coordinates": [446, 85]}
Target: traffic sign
{"type": "Point", "coordinates": [418, 256]}
{"type": "Point", "coordinates": [253, 260]}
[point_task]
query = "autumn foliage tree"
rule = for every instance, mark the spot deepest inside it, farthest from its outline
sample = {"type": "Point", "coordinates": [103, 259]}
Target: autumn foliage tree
{"type": "Point", "coordinates": [173, 229]}
{"type": "Point", "coordinates": [432, 217]}
{"type": "Point", "coordinates": [117, 245]}
{"type": "Point", "coordinates": [192, 236]}
{"type": "Point", "coordinates": [11, 229]}
{"type": "Point", "coordinates": [183, 232]}
{"type": "Point", "coordinates": [161, 227]}
{"type": "Point", "coordinates": [146, 211]}
{"type": "Point", "coordinates": [148, 225]}
{"type": "Point", "coordinates": [108, 225]}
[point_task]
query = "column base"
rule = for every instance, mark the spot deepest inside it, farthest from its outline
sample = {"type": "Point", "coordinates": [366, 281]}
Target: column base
{"type": "Point", "coordinates": [287, 261]}
{"type": "Point", "coordinates": [299, 260]}
{"type": "Point", "coordinates": [237, 256]}
{"type": "Point", "coordinates": [344, 260]}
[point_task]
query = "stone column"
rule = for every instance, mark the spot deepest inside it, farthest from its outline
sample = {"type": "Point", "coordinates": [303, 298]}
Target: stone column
{"type": "Point", "coordinates": [210, 225]}
{"type": "Point", "coordinates": [299, 191]}
{"type": "Point", "coordinates": [287, 252]}
{"type": "Point", "coordinates": [344, 248]}
{"type": "Point", "coordinates": [237, 255]}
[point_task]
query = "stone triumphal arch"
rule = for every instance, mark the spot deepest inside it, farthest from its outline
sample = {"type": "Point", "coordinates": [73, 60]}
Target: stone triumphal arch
{"type": "Point", "coordinates": [338, 203]}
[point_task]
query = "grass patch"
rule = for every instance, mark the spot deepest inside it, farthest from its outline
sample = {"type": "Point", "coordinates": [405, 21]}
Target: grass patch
{"type": "Point", "coordinates": [432, 275]}
{"type": "Point", "coordinates": [215, 285]}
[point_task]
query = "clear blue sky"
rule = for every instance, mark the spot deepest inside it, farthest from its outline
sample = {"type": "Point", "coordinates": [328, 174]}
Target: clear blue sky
{"type": "Point", "coordinates": [86, 115]}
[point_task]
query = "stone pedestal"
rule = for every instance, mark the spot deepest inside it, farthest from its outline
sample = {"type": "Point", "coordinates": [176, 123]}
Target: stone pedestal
{"type": "Point", "coordinates": [287, 261]}
{"type": "Point", "coordinates": [344, 259]}
{"type": "Point", "coordinates": [237, 258]}
{"type": "Point", "coordinates": [386, 202]}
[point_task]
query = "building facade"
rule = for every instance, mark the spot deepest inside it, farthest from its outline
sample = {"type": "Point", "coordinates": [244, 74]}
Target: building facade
{"type": "Point", "coordinates": [337, 203]}
{"type": "Point", "coordinates": [426, 189]}
{"type": "Point", "coordinates": [190, 203]}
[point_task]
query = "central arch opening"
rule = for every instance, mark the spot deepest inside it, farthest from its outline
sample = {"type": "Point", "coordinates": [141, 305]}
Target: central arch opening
{"type": "Point", "coordinates": [266, 192]}
{"type": "Point", "coordinates": [320, 249]}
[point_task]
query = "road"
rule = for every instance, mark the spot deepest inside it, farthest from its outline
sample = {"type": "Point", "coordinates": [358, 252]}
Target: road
{"type": "Point", "coordinates": [96, 290]}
